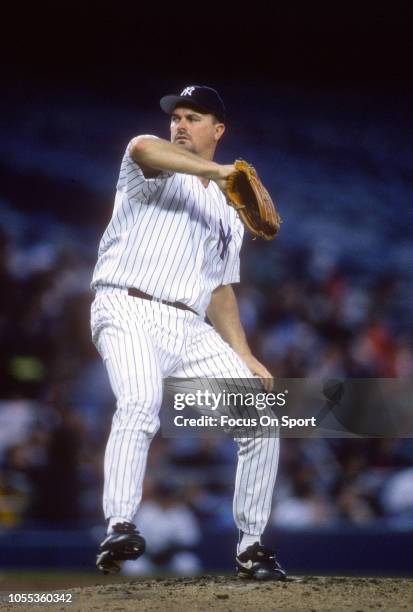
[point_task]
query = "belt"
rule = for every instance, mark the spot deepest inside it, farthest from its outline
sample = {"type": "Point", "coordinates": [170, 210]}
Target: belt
{"type": "Point", "coordinates": [145, 296]}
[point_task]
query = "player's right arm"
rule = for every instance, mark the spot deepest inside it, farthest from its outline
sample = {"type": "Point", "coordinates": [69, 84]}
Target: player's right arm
{"type": "Point", "coordinates": [155, 155]}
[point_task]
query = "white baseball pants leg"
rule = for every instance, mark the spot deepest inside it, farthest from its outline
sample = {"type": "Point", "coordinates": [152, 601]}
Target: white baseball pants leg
{"type": "Point", "coordinates": [141, 343]}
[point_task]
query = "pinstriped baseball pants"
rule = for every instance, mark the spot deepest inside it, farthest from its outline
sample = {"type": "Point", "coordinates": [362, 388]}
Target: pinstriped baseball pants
{"type": "Point", "coordinates": [141, 343]}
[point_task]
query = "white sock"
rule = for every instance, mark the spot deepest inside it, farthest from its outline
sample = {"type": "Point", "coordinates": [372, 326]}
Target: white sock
{"type": "Point", "coordinates": [247, 540]}
{"type": "Point", "coordinates": [115, 519]}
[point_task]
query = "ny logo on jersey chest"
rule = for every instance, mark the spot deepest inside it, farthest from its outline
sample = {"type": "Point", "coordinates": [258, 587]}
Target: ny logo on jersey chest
{"type": "Point", "coordinates": [224, 240]}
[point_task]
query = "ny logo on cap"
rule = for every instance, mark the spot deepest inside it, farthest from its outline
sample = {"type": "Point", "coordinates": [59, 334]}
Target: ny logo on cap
{"type": "Point", "coordinates": [187, 91]}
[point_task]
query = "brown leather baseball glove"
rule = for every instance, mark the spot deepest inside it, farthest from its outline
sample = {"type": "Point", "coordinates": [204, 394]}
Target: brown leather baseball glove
{"type": "Point", "coordinates": [252, 201]}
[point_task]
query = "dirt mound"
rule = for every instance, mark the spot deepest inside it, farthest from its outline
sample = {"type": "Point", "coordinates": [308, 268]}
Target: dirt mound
{"type": "Point", "coordinates": [228, 593]}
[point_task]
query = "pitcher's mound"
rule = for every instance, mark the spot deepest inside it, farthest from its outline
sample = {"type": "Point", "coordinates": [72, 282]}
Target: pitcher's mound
{"type": "Point", "coordinates": [230, 593]}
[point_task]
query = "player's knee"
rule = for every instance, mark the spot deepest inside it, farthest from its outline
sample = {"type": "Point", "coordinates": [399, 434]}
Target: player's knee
{"type": "Point", "coordinates": [135, 428]}
{"type": "Point", "coordinates": [135, 415]}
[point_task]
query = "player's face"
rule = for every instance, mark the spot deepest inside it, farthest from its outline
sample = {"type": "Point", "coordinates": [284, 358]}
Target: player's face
{"type": "Point", "coordinates": [196, 132]}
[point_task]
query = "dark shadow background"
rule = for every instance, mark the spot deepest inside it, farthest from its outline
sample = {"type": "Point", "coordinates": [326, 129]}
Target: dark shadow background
{"type": "Point", "coordinates": [320, 101]}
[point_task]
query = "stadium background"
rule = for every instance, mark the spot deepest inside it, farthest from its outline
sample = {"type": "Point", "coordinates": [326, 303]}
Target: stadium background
{"type": "Point", "coordinates": [322, 107]}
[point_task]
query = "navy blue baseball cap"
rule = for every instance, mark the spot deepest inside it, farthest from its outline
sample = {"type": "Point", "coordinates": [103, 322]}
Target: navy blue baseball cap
{"type": "Point", "coordinates": [200, 97]}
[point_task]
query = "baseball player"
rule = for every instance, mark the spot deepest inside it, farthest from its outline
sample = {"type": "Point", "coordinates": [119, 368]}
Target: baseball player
{"type": "Point", "coordinates": [168, 258]}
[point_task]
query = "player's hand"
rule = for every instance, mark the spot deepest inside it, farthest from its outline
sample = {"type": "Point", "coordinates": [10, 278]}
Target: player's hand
{"type": "Point", "coordinates": [257, 369]}
{"type": "Point", "coordinates": [223, 172]}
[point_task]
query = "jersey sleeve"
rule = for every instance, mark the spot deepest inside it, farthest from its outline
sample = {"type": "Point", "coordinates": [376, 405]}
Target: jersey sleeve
{"type": "Point", "coordinates": [232, 266]}
{"type": "Point", "coordinates": [133, 182]}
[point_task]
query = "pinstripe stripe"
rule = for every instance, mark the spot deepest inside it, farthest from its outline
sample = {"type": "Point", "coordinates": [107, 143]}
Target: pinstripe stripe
{"type": "Point", "coordinates": [272, 475]}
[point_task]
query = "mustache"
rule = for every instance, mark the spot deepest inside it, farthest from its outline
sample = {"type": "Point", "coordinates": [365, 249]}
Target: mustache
{"type": "Point", "coordinates": [181, 134]}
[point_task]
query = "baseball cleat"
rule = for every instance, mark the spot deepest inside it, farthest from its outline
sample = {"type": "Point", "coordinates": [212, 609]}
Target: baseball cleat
{"type": "Point", "coordinates": [259, 563]}
{"type": "Point", "coordinates": [124, 543]}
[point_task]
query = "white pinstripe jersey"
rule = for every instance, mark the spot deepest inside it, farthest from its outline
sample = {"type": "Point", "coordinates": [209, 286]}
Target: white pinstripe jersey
{"type": "Point", "coordinates": [169, 236]}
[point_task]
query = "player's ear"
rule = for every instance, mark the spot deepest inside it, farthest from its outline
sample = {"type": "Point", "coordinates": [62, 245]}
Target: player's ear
{"type": "Point", "coordinates": [219, 131]}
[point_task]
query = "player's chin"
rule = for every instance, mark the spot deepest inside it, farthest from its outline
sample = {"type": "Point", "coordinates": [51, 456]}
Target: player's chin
{"type": "Point", "coordinates": [186, 144]}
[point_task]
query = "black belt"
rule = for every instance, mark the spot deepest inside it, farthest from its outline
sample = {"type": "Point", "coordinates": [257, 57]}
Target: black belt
{"type": "Point", "coordinates": [145, 296]}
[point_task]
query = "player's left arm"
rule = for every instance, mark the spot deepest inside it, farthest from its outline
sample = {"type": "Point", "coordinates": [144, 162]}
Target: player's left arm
{"type": "Point", "coordinates": [223, 313]}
